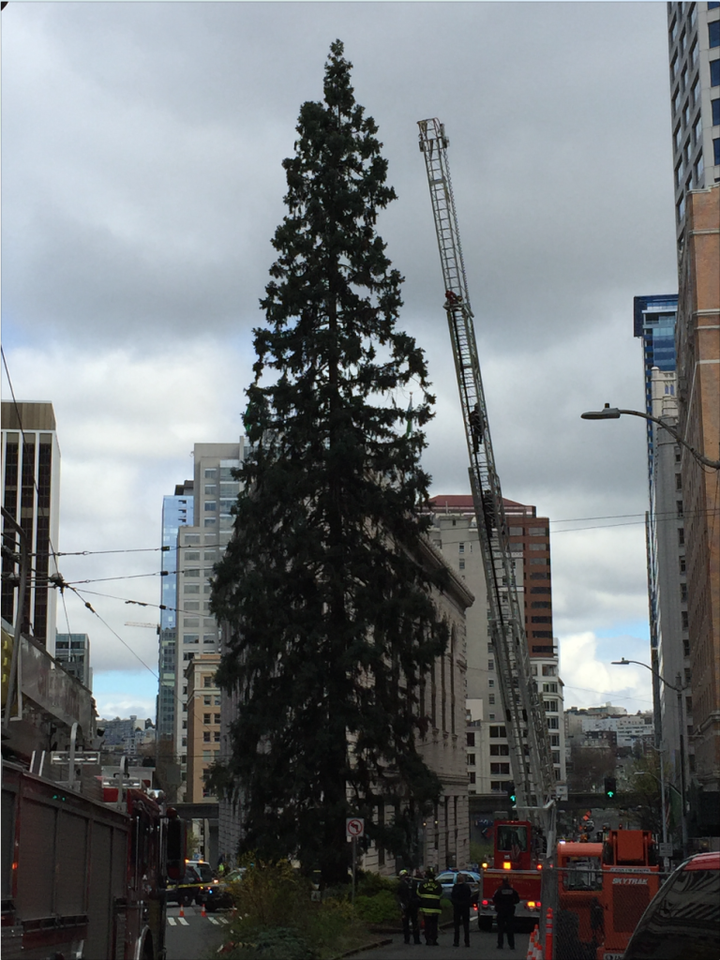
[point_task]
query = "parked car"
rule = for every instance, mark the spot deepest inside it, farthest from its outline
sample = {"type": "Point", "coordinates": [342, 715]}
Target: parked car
{"type": "Point", "coordinates": [194, 885]}
{"type": "Point", "coordinates": [683, 918]}
{"type": "Point", "coordinates": [448, 878]}
{"type": "Point", "coordinates": [219, 893]}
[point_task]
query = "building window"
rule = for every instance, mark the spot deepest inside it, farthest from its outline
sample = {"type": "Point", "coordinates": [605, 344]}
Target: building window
{"type": "Point", "coordinates": [716, 147]}
{"type": "Point", "coordinates": [471, 739]}
{"type": "Point", "coordinates": [499, 750]}
{"type": "Point", "coordinates": [491, 664]}
{"type": "Point", "coordinates": [210, 474]}
{"type": "Point", "coordinates": [496, 732]}
{"type": "Point", "coordinates": [552, 723]}
{"type": "Point", "coordinates": [471, 759]}
{"type": "Point", "coordinates": [210, 489]}
{"type": "Point", "coordinates": [499, 768]}
{"type": "Point", "coordinates": [461, 564]}
{"type": "Point", "coordinates": [491, 699]}
{"type": "Point", "coordinates": [206, 736]}
{"type": "Point", "coordinates": [206, 718]}
{"type": "Point", "coordinates": [207, 681]}
{"type": "Point", "coordinates": [471, 777]}
{"type": "Point", "coordinates": [714, 34]}
{"type": "Point", "coordinates": [715, 73]}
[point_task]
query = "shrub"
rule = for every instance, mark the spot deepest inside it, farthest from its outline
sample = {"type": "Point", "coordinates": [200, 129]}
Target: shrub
{"type": "Point", "coordinates": [275, 943]}
{"type": "Point", "coordinates": [371, 883]}
{"type": "Point", "coordinates": [378, 909]}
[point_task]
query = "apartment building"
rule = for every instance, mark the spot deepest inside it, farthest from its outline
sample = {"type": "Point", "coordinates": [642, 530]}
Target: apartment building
{"type": "Point", "coordinates": [454, 533]}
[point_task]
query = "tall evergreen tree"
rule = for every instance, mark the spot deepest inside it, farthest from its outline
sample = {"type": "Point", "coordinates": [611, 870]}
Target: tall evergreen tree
{"type": "Point", "coordinates": [331, 620]}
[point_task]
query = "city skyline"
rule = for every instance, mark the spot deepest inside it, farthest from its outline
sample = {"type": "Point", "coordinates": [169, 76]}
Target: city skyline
{"type": "Point", "coordinates": [153, 308]}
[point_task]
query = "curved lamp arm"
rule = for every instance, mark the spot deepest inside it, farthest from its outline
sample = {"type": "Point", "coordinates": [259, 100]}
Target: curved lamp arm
{"type": "Point", "coordinates": [623, 662]}
{"type": "Point", "coordinates": [613, 413]}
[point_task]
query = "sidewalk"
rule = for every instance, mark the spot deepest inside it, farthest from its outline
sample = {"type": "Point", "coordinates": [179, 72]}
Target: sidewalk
{"type": "Point", "coordinates": [483, 946]}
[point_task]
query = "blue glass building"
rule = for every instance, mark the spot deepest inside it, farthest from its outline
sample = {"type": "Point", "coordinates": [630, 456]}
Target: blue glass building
{"type": "Point", "coordinates": [177, 512]}
{"type": "Point", "coordinates": [654, 319]}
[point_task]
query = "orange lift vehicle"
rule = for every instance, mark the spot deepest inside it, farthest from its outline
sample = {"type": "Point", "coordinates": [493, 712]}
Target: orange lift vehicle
{"type": "Point", "coordinates": [599, 891]}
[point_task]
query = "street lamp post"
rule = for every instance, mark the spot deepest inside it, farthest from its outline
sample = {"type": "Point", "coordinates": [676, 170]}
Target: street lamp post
{"type": "Point", "coordinates": [613, 413]}
{"type": "Point", "coordinates": [681, 721]}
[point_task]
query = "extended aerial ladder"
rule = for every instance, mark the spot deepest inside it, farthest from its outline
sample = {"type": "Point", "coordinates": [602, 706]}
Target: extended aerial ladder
{"type": "Point", "coordinates": [529, 744]}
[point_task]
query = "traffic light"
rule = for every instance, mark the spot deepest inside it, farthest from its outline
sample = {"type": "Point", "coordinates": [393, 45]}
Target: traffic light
{"type": "Point", "coordinates": [511, 792]}
{"type": "Point", "coordinates": [610, 787]}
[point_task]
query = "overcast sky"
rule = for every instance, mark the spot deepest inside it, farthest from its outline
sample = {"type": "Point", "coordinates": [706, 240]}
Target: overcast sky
{"type": "Point", "coordinates": [142, 146]}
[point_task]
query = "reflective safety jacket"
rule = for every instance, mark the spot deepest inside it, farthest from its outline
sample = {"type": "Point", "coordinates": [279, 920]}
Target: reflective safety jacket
{"type": "Point", "coordinates": [430, 892]}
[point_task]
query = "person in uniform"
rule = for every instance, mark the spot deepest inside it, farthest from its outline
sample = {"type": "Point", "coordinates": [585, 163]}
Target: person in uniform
{"type": "Point", "coordinates": [430, 893]}
{"type": "Point", "coordinates": [505, 898]}
{"type": "Point", "coordinates": [407, 894]}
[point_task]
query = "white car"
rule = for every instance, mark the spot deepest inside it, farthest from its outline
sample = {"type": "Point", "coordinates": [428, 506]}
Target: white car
{"type": "Point", "coordinates": [448, 878]}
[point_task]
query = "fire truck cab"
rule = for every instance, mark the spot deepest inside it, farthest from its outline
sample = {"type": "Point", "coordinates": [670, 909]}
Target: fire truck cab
{"type": "Point", "coordinates": [513, 858]}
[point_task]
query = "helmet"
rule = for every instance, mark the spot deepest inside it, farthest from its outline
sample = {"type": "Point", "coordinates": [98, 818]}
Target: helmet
{"type": "Point", "coordinates": [403, 873]}
{"type": "Point", "coordinates": [429, 873]}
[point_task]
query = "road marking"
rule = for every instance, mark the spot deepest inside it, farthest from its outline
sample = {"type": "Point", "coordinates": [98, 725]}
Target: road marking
{"type": "Point", "coordinates": [213, 920]}
{"type": "Point", "coordinates": [183, 921]}
{"type": "Point", "coordinates": [223, 920]}
{"type": "Point", "coordinates": [172, 921]}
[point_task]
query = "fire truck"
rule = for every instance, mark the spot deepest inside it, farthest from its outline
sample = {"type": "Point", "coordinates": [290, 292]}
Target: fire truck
{"type": "Point", "coordinates": [514, 858]}
{"type": "Point", "coordinates": [82, 876]}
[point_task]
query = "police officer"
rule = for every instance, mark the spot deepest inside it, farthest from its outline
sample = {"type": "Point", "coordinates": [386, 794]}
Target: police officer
{"type": "Point", "coordinates": [505, 898]}
{"type": "Point", "coordinates": [430, 893]}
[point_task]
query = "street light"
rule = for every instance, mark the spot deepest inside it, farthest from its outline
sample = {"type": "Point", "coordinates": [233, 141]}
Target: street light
{"type": "Point", "coordinates": [613, 413]}
{"type": "Point", "coordinates": [681, 721]}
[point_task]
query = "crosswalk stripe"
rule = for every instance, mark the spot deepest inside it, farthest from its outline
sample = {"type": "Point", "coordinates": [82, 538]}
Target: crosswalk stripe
{"type": "Point", "coordinates": [213, 920]}
{"type": "Point", "coordinates": [223, 920]}
{"type": "Point", "coordinates": [172, 921]}
{"type": "Point", "coordinates": [183, 921]}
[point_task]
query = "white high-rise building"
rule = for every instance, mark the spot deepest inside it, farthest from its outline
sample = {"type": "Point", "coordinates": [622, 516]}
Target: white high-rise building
{"type": "Point", "coordinates": [199, 547]}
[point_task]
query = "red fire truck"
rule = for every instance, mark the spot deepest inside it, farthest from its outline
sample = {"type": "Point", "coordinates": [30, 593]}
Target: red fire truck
{"type": "Point", "coordinates": [514, 858]}
{"type": "Point", "coordinates": [84, 877]}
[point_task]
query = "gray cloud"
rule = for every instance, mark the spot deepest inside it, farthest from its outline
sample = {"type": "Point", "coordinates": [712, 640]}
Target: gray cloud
{"type": "Point", "coordinates": [142, 182]}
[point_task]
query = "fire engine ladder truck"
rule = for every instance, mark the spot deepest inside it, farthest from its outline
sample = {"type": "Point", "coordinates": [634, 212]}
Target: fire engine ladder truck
{"type": "Point", "coordinates": [531, 758]}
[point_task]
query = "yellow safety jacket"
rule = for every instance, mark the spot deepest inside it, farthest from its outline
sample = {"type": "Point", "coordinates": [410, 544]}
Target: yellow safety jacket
{"type": "Point", "coordinates": [430, 893]}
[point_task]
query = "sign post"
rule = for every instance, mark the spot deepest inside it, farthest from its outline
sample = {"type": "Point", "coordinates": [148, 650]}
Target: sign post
{"type": "Point", "coordinates": [354, 827]}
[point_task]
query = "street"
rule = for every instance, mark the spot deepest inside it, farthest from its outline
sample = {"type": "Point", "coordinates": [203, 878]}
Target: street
{"type": "Point", "coordinates": [483, 946]}
{"type": "Point", "coordinates": [194, 937]}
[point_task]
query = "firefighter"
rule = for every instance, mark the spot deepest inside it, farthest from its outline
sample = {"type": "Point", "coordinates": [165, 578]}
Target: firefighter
{"type": "Point", "coordinates": [430, 893]}
{"type": "Point", "coordinates": [505, 899]}
{"type": "Point", "coordinates": [407, 894]}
